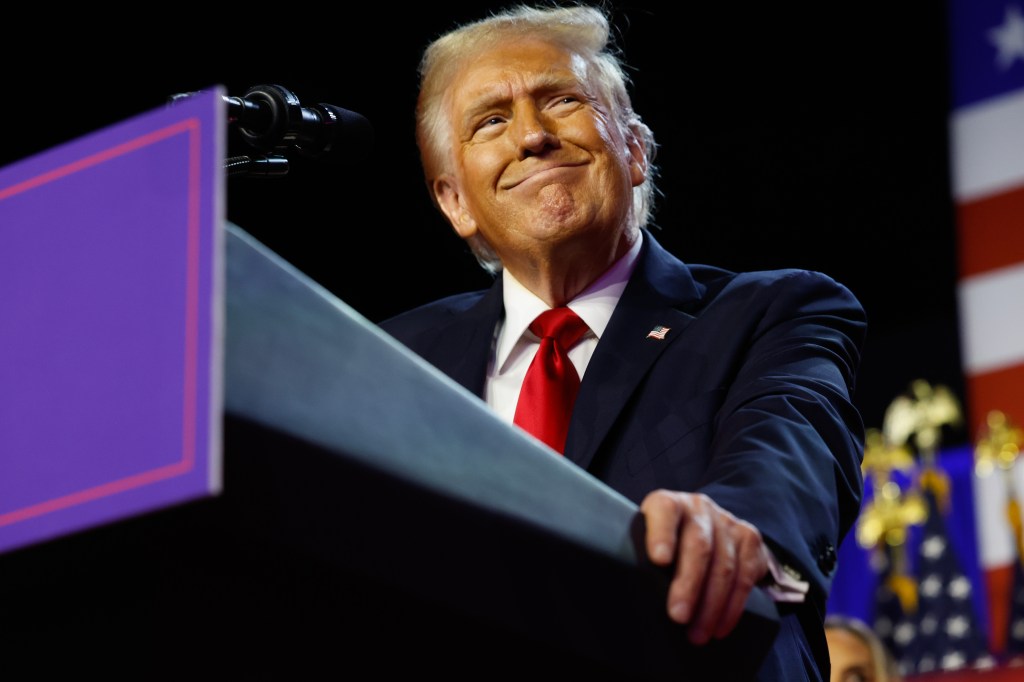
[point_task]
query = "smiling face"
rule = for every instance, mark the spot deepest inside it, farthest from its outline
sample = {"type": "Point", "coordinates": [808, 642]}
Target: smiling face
{"type": "Point", "coordinates": [541, 170]}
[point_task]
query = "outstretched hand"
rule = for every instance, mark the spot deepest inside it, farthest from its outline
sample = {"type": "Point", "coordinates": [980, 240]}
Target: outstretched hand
{"type": "Point", "coordinates": [718, 559]}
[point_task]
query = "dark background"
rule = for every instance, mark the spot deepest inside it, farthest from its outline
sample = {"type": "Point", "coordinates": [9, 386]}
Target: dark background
{"type": "Point", "coordinates": [814, 139]}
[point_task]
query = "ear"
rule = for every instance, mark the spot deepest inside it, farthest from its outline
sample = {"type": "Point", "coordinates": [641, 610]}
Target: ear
{"type": "Point", "coordinates": [450, 201]}
{"type": "Point", "coordinates": [638, 157]}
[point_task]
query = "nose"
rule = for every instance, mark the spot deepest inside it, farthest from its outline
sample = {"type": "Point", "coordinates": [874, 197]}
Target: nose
{"type": "Point", "coordinates": [534, 132]}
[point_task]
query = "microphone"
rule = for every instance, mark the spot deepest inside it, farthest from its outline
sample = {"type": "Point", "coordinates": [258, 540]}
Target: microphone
{"type": "Point", "coordinates": [271, 118]}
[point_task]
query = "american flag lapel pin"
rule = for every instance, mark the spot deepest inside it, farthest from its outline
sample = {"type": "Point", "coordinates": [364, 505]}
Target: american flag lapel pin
{"type": "Point", "coordinates": [658, 333]}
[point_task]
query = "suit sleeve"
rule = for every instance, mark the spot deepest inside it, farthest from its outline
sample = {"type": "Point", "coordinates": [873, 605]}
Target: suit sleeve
{"type": "Point", "coordinates": [788, 429]}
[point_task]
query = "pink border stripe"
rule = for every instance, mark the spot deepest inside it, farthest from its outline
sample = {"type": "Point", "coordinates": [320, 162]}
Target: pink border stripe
{"type": "Point", "coordinates": [97, 492]}
{"type": "Point", "coordinates": [192, 296]}
{"type": "Point", "coordinates": [188, 125]}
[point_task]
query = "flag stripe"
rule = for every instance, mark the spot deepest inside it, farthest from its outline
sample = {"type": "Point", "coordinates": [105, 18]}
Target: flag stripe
{"type": "Point", "coordinates": [995, 537]}
{"type": "Point", "coordinates": [999, 585]}
{"type": "Point", "coordinates": [987, 147]}
{"type": "Point", "coordinates": [996, 390]}
{"type": "Point", "coordinates": [992, 319]}
{"type": "Point", "coordinates": [991, 232]}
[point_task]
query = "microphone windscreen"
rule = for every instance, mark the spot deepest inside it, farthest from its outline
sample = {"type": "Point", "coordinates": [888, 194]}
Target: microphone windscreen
{"type": "Point", "coordinates": [351, 138]}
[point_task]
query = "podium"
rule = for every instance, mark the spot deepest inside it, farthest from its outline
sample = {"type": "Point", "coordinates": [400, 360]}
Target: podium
{"type": "Point", "coordinates": [375, 520]}
{"type": "Point", "coordinates": [432, 539]}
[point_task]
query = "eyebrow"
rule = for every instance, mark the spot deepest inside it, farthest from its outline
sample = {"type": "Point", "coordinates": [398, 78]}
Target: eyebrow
{"type": "Point", "coordinates": [865, 670]}
{"type": "Point", "coordinates": [496, 96]}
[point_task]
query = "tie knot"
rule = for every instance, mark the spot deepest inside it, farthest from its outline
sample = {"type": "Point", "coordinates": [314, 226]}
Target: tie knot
{"type": "Point", "coordinates": [561, 324]}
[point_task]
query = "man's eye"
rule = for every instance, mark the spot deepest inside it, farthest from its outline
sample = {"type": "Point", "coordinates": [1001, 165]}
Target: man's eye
{"type": "Point", "coordinates": [486, 124]}
{"type": "Point", "coordinates": [856, 676]}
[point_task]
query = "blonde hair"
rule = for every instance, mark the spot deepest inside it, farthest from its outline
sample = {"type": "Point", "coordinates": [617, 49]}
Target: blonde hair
{"type": "Point", "coordinates": [886, 668]}
{"type": "Point", "coordinates": [581, 29]}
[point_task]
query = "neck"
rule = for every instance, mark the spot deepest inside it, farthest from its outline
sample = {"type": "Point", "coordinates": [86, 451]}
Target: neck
{"type": "Point", "coordinates": [559, 277]}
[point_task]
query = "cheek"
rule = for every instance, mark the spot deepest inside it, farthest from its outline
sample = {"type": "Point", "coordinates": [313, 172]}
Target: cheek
{"type": "Point", "coordinates": [605, 130]}
{"type": "Point", "coordinates": [619, 153]}
{"type": "Point", "coordinates": [597, 134]}
{"type": "Point", "coordinates": [481, 168]}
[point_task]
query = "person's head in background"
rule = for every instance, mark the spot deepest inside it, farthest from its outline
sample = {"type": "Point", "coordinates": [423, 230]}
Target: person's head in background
{"type": "Point", "coordinates": [857, 653]}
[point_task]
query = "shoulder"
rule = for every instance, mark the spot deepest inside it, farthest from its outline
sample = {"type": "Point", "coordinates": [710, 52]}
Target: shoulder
{"type": "Point", "coordinates": [799, 282]}
{"type": "Point", "coordinates": [696, 286]}
{"type": "Point", "coordinates": [806, 289]}
{"type": "Point", "coordinates": [782, 306]}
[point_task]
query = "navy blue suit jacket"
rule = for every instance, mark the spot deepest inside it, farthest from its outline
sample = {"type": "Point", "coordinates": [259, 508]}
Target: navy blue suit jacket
{"type": "Point", "coordinates": [747, 398]}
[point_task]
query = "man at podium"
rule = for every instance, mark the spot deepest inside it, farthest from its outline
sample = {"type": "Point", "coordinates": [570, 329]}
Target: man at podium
{"type": "Point", "coordinates": [719, 402]}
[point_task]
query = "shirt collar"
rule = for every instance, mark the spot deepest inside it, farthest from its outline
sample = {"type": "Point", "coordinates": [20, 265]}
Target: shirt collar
{"type": "Point", "coordinates": [594, 304]}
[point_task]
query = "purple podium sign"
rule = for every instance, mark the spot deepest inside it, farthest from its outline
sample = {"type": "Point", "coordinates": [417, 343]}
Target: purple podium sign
{"type": "Point", "coordinates": [111, 323]}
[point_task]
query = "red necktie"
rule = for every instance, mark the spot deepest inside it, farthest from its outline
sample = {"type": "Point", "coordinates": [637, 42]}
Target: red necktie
{"type": "Point", "coordinates": [549, 390]}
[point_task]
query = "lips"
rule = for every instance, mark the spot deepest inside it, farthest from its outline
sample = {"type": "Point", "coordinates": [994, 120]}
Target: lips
{"type": "Point", "coordinates": [547, 172]}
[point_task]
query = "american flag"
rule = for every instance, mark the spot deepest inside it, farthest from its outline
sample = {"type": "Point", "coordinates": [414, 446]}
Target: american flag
{"type": "Point", "coordinates": [987, 164]}
{"type": "Point", "coordinates": [658, 332]}
{"type": "Point", "coordinates": [946, 633]}
{"type": "Point", "coordinates": [895, 607]}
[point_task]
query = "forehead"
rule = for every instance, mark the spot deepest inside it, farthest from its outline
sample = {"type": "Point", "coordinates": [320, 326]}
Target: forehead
{"type": "Point", "coordinates": [846, 645]}
{"type": "Point", "coordinates": [517, 63]}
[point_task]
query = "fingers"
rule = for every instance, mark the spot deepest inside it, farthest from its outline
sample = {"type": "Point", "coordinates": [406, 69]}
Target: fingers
{"type": "Point", "coordinates": [662, 510]}
{"type": "Point", "coordinates": [750, 566]}
{"type": "Point", "coordinates": [707, 567]}
{"type": "Point", "coordinates": [680, 529]}
{"type": "Point", "coordinates": [719, 559]}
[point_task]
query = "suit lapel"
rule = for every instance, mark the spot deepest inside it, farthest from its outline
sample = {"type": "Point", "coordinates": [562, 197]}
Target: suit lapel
{"type": "Point", "coordinates": [655, 299]}
{"type": "Point", "coordinates": [465, 353]}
